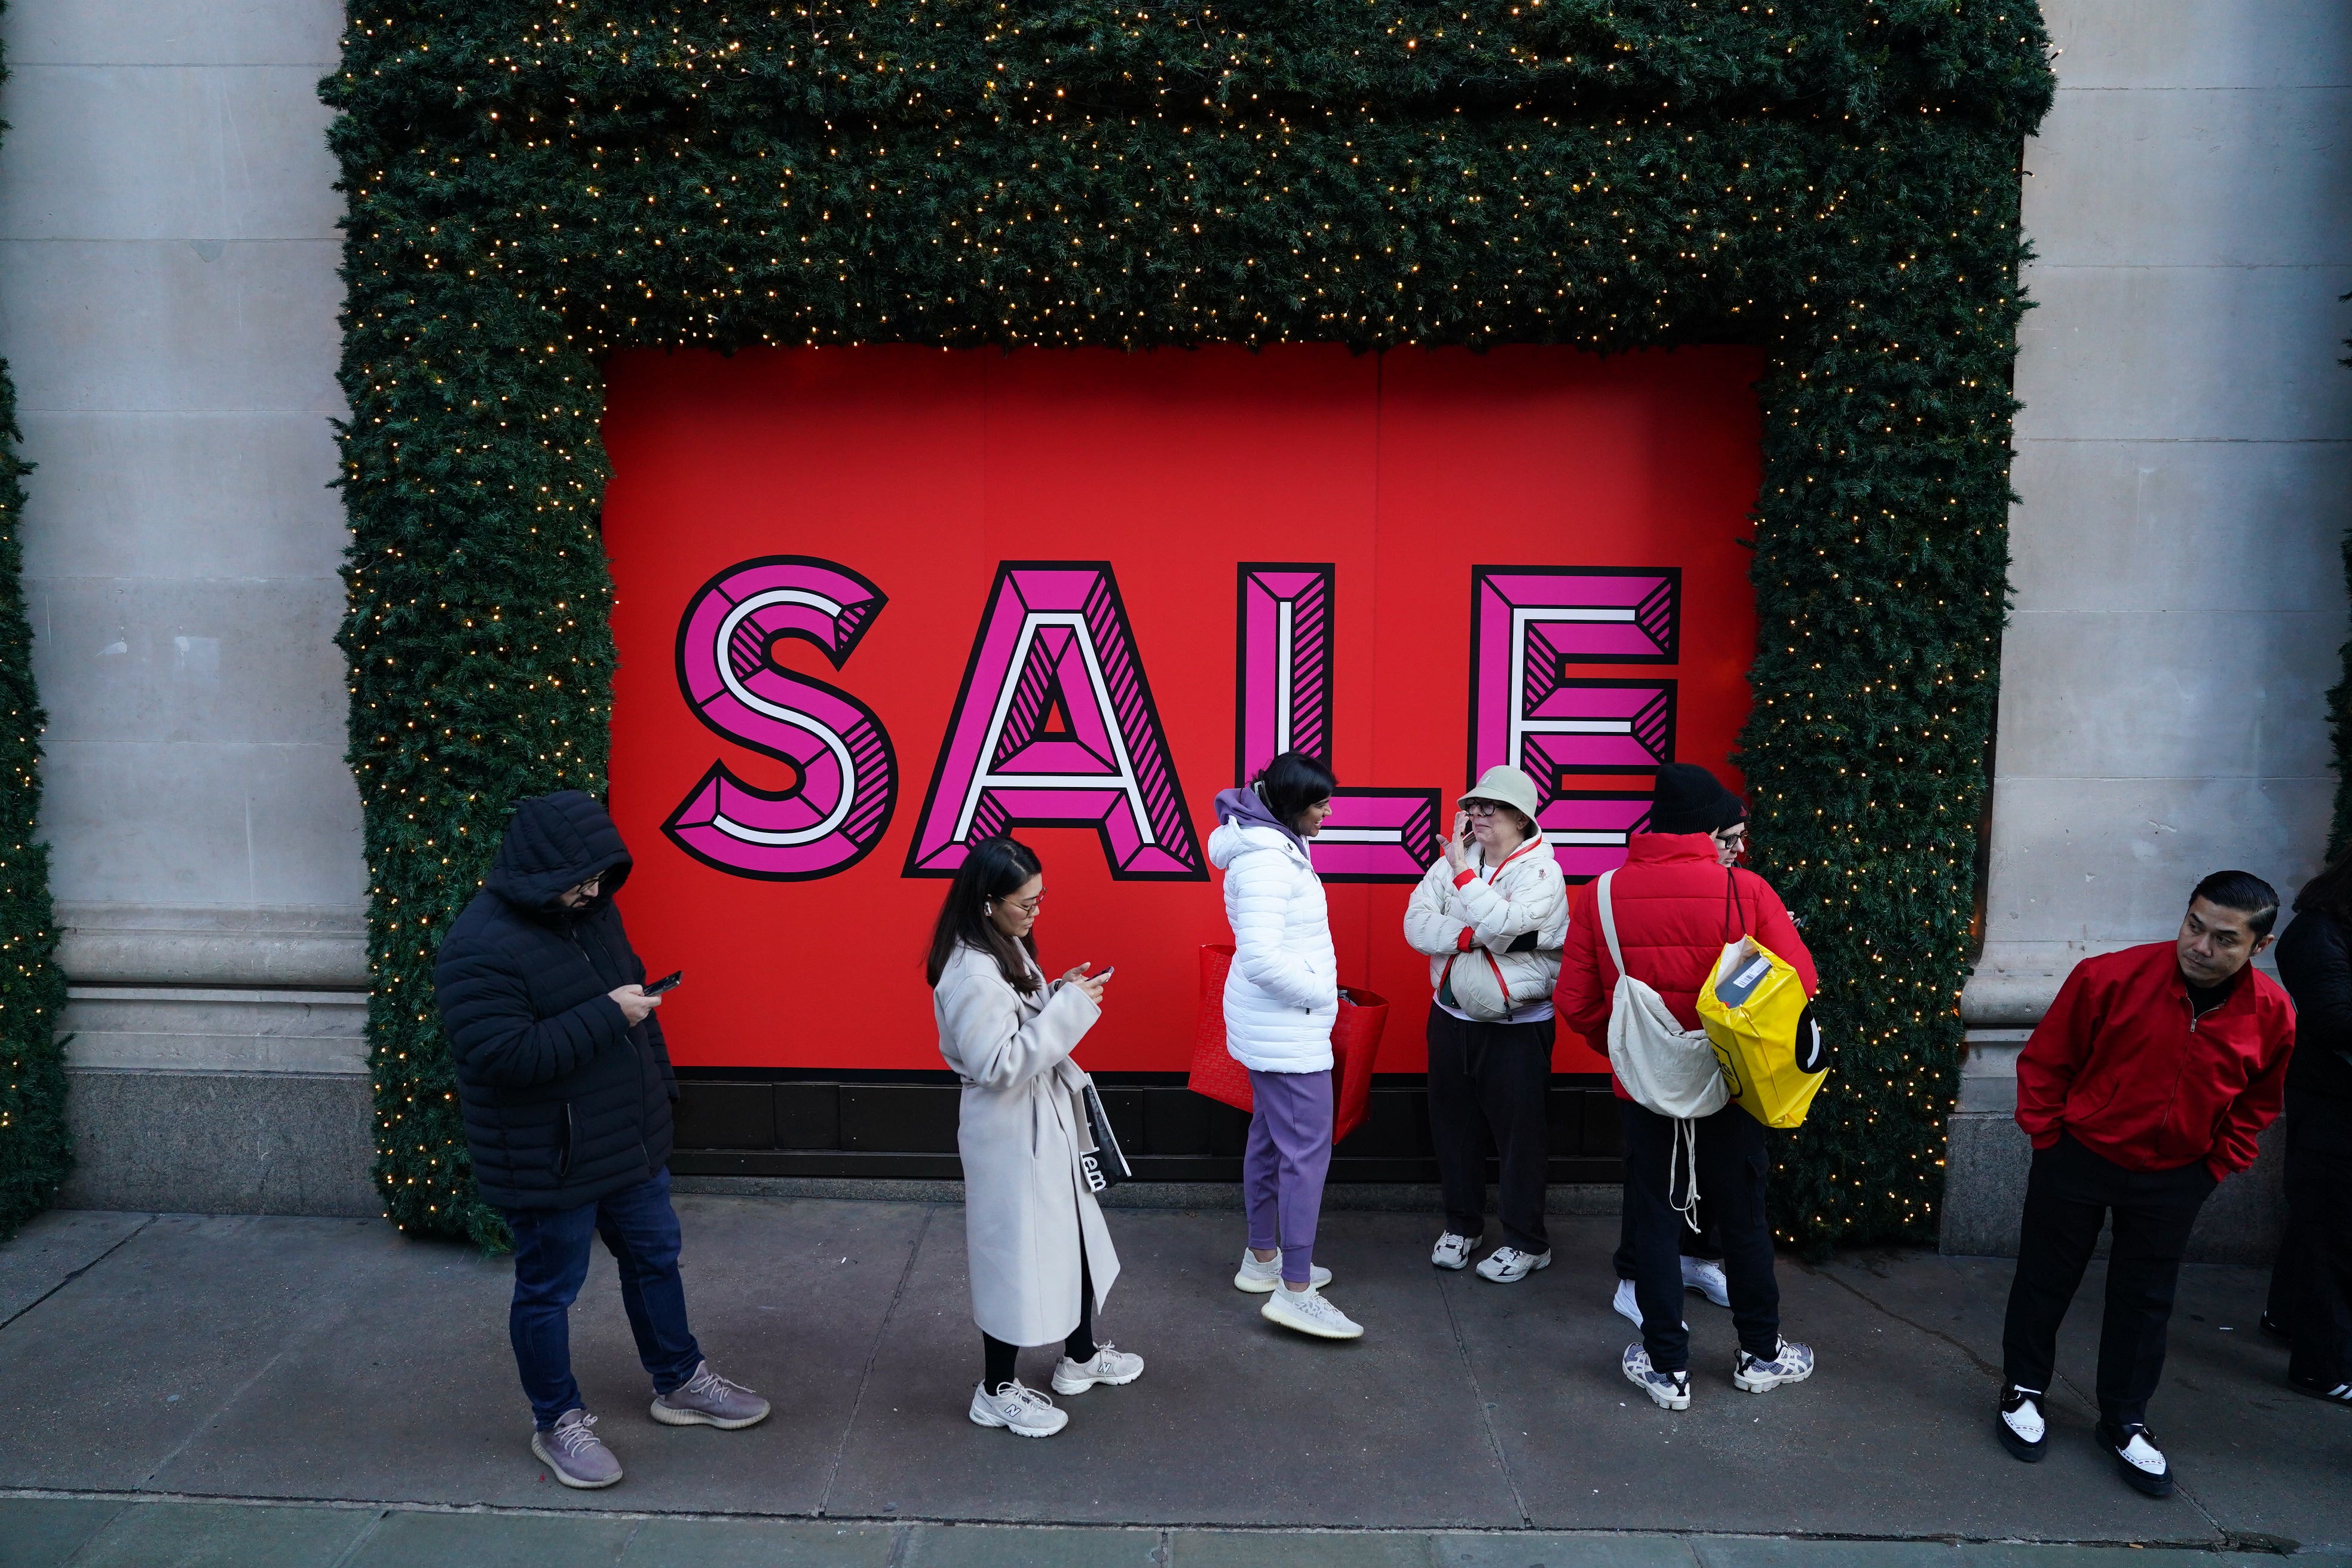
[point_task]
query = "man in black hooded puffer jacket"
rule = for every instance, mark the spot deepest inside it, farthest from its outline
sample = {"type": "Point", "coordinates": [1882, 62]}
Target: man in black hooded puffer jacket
{"type": "Point", "coordinates": [565, 1084]}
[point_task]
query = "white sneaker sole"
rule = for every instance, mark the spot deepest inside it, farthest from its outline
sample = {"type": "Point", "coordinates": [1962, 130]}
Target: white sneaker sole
{"type": "Point", "coordinates": [1265, 1284]}
{"type": "Point", "coordinates": [1080, 1385]}
{"type": "Point", "coordinates": [982, 1418]}
{"type": "Point", "coordinates": [556, 1470]}
{"type": "Point", "coordinates": [1512, 1278]}
{"type": "Point", "coordinates": [669, 1416]}
{"type": "Point", "coordinates": [1748, 1383]}
{"type": "Point", "coordinates": [1662, 1400]}
{"type": "Point", "coordinates": [1456, 1264]}
{"type": "Point", "coordinates": [1273, 1312]}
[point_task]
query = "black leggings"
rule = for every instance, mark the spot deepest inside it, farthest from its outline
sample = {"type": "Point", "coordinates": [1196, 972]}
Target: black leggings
{"type": "Point", "coordinates": [998, 1357]}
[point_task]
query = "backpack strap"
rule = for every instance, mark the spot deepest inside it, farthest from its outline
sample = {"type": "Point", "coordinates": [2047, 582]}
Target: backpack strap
{"type": "Point", "coordinates": [1609, 923]}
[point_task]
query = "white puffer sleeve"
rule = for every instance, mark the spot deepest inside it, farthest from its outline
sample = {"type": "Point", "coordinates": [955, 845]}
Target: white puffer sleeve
{"type": "Point", "coordinates": [1258, 887]}
{"type": "Point", "coordinates": [1429, 926]}
{"type": "Point", "coordinates": [1536, 900]}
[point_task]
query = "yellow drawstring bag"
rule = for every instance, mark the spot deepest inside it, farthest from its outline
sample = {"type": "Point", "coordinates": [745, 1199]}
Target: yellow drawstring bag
{"type": "Point", "coordinates": [1770, 1050]}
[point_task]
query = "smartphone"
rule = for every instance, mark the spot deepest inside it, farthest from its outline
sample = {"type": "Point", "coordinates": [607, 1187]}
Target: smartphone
{"type": "Point", "coordinates": [1106, 975]}
{"type": "Point", "coordinates": [666, 983]}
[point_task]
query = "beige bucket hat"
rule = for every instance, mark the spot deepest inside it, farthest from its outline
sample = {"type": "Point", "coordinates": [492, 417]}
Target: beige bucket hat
{"type": "Point", "coordinates": [1506, 784]}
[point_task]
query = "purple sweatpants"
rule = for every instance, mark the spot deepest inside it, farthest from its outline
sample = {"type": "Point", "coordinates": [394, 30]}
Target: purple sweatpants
{"type": "Point", "coordinates": [1283, 1168]}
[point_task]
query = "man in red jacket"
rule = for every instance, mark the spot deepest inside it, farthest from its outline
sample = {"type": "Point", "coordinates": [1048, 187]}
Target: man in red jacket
{"type": "Point", "coordinates": [2146, 1083]}
{"type": "Point", "coordinates": [1677, 904]}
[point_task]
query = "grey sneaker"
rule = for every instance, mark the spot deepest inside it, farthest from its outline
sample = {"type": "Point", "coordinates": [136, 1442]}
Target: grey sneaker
{"type": "Point", "coordinates": [1789, 1362]}
{"type": "Point", "coordinates": [574, 1455]}
{"type": "Point", "coordinates": [1109, 1365]}
{"type": "Point", "coordinates": [1018, 1408]}
{"type": "Point", "coordinates": [1669, 1390]}
{"type": "Point", "coordinates": [707, 1399]}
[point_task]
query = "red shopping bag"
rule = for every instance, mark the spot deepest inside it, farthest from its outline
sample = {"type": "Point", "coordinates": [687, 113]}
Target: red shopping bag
{"type": "Point", "coordinates": [1355, 1046]}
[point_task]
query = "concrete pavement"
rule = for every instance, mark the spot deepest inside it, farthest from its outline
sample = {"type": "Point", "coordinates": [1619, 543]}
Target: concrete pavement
{"type": "Point", "coordinates": [149, 1362]}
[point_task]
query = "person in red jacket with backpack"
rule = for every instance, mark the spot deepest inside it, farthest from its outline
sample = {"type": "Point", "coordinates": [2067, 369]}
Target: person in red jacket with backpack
{"type": "Point", "coordinates": [1675, 905]}
{"type": "Point", "coordinates": [2146, 1083]}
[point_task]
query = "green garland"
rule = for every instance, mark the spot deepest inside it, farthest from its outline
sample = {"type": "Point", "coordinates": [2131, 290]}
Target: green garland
{"type": "Point", "coordinates": [2339, 715]}
{"type": "Point", "coordinates": [35, 1149]}
{"type": "Point", "coordinates": [533, 185]}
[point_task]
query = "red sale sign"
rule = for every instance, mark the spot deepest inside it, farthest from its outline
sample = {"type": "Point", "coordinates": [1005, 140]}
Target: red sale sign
{"type": "Point", "coordinates": [877, 602]}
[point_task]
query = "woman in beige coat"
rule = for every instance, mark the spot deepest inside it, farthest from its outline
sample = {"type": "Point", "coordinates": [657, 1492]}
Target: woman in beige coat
{"type": "Point", "coordinates": [1041, 1257]}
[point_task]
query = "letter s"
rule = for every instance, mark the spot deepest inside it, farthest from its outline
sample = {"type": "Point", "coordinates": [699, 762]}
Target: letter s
{"type": "Point", "coordinates": [837, 812]}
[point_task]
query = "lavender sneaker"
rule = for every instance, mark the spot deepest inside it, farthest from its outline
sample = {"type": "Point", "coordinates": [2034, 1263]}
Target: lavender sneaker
{"type": "Point", "coordinates": [573, 1453]}
{"type": "Point", "coordinates": [707, 1399]}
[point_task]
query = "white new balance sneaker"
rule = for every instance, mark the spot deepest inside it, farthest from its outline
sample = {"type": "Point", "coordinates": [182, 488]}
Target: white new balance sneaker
{"type": "Point", "coordinates": [1109, 1365]}
{"type": "Point", "coordinates": [1453, 1251]}
{"type": "Point", "coordinates": [1258, 1277]}
{"type": "Point", "coordinates": [1019, 1409]}
{"type": "Point", "coordinates": [1670, 1389]}
{"type": "Point", "coordinates": [1309, 1313]}
{"type": "Point", "coordinates": [1509, 1265]}
{"type": "Point", "coordinates": [1705, 1277]}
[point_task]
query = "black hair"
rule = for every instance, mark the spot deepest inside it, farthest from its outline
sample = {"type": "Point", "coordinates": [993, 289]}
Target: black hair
{"type": "Point", "coordinates": [1293, 781]}
{"type": "Point", "coordinates": [2246, 893]}
{"type": "Point", "coordinates": [993, 868]}
{"type": "Point", "coordinates": [2330, 892]}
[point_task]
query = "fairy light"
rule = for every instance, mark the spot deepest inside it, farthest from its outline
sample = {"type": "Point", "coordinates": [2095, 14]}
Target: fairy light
{"type": "Point", "coordinates": [535, 186]}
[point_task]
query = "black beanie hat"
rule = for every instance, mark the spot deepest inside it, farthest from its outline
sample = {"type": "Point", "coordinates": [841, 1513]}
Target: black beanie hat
{"type": "Point", "coordinates": [1689, 799]}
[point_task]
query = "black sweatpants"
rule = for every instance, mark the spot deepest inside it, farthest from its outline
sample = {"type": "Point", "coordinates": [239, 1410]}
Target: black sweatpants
{"type": "Point", "coordinates": [2069, 1194]}
{"type": "Point", "coordinates": [1733, 1164]}
{"type": "Point", "coordinates": [1703, 1240]}
{"type": "Point", "coordinates": [2311, 1287]}
{"type": "Point", "coordinates": [998, 1359]}
{"type": "Point", "coordinates": [1493, 1077]}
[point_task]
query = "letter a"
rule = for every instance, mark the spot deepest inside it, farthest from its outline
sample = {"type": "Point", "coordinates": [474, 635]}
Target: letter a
{"type": "Point", "coordinates": [1055, 726]}
{"type": "Point", "coordinates": [848, 779]}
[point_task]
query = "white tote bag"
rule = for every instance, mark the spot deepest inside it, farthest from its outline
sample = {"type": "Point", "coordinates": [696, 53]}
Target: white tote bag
{"type": "Point", "coordinates": [1666, 1067]}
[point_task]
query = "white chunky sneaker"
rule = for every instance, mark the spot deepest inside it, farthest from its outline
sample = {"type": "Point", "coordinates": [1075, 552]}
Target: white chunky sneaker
{"type": "Point", "coordinates": [1309, 1313]}
{"type": "Point", "coordinates": [1671, 1390]}
{"type": "Point", "coordinates": [573, 1453]}
{"type": "Point", "coordinates": [1509, 1265]}
{"type": "Point", "coordinates": [1109, 1365]}
{"type": "Point", "coordinates": [1453, 1251]}
{"type": "Point", "coordinates": [1258, 1277]}
{"type": "Point", "coordinates": [2024, 1428]}
{"type": "Point", "coordinates": [1626, 1306]}
{"type": "Point", "coordinates": [1705, 1276]}
{"type": "Point", "coordinates": [2141, 1462]}
{"type": "Point", "coordinates": [1019, 1409]}
{"type": "Point", "coordinates": [1757, 1374]}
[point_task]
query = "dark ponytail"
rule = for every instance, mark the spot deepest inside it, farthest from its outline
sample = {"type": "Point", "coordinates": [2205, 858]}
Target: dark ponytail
{"type": "Point", "coordinates": [1293, 781]}
{"type": "Point", "coordinates": [993, 868]}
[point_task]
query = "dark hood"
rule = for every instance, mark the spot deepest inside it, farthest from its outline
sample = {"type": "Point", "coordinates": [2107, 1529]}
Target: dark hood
{"type": "Point", "coordinates": [1247, 805]}
{"type": "Point", "coordinates": [558, 841]}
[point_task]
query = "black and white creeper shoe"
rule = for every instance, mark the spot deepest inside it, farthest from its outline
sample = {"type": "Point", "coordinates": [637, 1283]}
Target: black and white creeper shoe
{"type": "Point", "coordinates": [2024, 1430]}
{"type": "Point", "coordinates": [2138, 1459]}
{"type": "Point", "coordinates": [2334, 1392]}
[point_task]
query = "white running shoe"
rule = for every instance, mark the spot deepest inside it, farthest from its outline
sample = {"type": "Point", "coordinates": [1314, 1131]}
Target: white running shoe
{"type": "Point", "coordinates": [1109, 1365]}
{"type": "Point", "coordinates": [1258, 1277]}
{"type": "Point", "coordinates": [1788, 1363]}
{"type": "Point", "coordinates": [1453, 1251]}
{"type": "Point", "coordinates": [1706, 1276]}
{"type": "Point", "coordinates": [1628, 1307]}
{"type": "Point", "coordinates": [1020, 1410]}
{"type": "Point", "coordinates": [1509, 1265]}
{"type": "Point", "coordinates": [1309, 1313]}
{"type": "Point", "coordinates": [1671, 1390]}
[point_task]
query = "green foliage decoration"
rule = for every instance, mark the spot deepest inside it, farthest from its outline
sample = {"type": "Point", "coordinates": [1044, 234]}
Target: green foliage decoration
{"type": "Point", "coordinates": [36, 1150]}
{"type": "Point", "coordinates": [2339, 716]}
{"type": "Point", "coordinates": [533, 187]}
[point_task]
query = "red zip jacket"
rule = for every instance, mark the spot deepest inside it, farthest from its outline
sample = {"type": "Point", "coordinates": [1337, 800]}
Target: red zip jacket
{"type": "Point", "coordinates": [1675, 908]}
{"type": "Point", "coordinates": [2119, 1063]}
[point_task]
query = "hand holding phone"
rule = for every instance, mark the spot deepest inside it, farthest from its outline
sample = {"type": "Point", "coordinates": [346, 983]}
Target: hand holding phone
{"type": "Point", "coordinates": [667, 981]}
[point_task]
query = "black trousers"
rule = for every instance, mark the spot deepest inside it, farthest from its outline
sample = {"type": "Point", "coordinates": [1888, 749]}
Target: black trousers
{"type": "Point", "coordinates": [1491, 1078]}
{"type": "Point", "coordinates": [2070, 1194]}
{"type": "Point", "coordinates": [1704, 1240]}
{"type": "Point", "coordinates": [2311, 1286]}
{"type": "Point", "coordinates": [1732, 1164]}
{"type": "Point", "coordinates": [998, 1359]}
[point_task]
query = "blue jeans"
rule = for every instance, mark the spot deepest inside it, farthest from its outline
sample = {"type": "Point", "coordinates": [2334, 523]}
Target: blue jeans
{"type": "Point", "coordinates": [550, 1258]}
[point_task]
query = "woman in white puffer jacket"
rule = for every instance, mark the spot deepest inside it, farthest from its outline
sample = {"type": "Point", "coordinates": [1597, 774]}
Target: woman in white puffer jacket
{"type": "Point", "coordinates": [1282, 996]}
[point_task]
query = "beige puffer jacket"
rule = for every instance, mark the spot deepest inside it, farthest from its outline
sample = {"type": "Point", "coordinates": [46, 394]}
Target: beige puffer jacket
{"type": "Point", "coordinates": [1494, 977]}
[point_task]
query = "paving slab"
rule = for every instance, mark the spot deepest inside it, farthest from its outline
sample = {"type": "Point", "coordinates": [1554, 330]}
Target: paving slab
{"type": "Point", "coordinates": [51, 1249]}
{"type": "Point", "coordinates": [1295, 1549]}
{"type": "Point", "coordinates": [110, 1377]}
{"type": "Point", "coordinates": [410, 1393]}
{"type": "Point", "coordinates": [493, 1540]}
{"type": "Point", "coordinates": [224, 1535]}
{"type": "Point", "coordinates": [760, 1543]}
{"type": "Point", "coordinates": [1542, 1549]}
{"type": "Point", "coordinates": [1892, 1426]}
{"type": "Point", "coordinates": [1022, 1546]}
{"type": "Point", "coordinates": [1234, 1422]}
{"type": "Point", "coordinates": [42, 1532]}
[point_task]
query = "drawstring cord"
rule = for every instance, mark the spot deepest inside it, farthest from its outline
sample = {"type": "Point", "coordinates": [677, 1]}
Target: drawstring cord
{"type": "Point", "coordinates": [1684, 1151]}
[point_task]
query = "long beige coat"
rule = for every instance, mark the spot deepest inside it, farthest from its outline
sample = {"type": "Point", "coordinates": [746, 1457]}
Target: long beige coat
{"type": "Point", "coordinates": [1027, 1210]}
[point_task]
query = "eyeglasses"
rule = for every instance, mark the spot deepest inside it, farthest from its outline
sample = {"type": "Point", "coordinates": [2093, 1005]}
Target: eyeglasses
{"type": "Point", "coordinates": [1027, 906]}
{"type": "Point", "coordinates": [1481, 807]}
{"type": "Point", "coordinates": [589, 887]}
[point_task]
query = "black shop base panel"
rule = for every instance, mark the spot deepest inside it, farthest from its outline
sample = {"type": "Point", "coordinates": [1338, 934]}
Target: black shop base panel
{"type": "Point", "coordinates": [738, 1121]}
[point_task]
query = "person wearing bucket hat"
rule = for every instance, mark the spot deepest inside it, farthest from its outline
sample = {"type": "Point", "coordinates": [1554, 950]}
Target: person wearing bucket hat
{"type": "Point", "coordinates": [1674, 903]}
{"type": "Point", "coordinates": [1491, 915]}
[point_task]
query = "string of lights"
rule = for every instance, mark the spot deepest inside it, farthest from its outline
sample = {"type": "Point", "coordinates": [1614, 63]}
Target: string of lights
{"type": "Point", "coordinates": [533, 187]}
